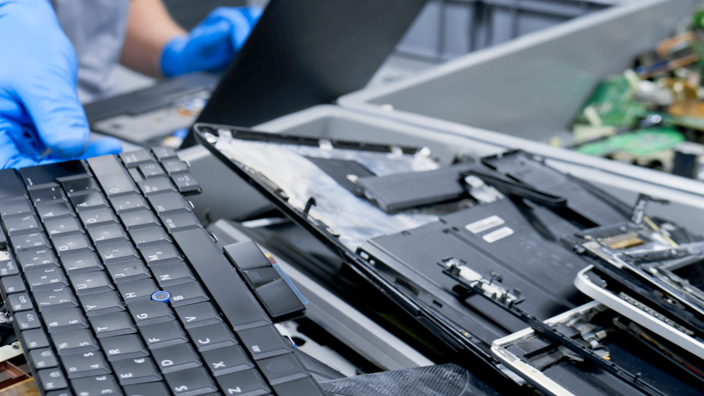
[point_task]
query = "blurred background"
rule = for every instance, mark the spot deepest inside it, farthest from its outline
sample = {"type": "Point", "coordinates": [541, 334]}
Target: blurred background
{"type": "Point", "coordinates": [444, 30]}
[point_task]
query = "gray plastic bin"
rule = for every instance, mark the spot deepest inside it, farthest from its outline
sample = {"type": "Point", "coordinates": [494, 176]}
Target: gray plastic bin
{"type": "Point", "coordinates": [227, 196]}
{"type": "Point", "coordinates": [532, 86]}
{"type": "Point", "coordinates": [450, 28]}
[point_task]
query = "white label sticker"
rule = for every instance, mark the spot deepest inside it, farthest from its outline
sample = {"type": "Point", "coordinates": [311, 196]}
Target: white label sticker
{"type": "Point", "coordinates": [498, 234]}
{"type": "Point", "coordinates": [485, 224]}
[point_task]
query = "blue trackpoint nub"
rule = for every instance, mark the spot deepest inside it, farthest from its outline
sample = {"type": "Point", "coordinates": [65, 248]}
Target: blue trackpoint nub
{"type": "Point", "coordinates": [161, 296]}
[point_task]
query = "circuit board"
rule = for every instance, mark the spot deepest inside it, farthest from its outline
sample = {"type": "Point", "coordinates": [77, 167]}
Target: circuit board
{"type": "Point", "coordinates": [613, 101]}
{"type": "Point", "coordinates": [641, 143]}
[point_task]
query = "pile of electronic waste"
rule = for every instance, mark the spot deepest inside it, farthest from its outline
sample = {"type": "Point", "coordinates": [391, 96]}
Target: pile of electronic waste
{"type": "Point", "coordinates": [651, 115]}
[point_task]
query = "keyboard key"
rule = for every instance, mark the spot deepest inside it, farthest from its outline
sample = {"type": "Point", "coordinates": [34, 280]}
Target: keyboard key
{"type": "Point", "coordinates": [29, 241]}
{"type": "Point", "coordinates": [62, 226]}
{"type": "Point", "coordinates": [54, 210]}
{"type": "Point", "coordinates": [50, 278]}
{"type": "Point", "coordinates": [151, 170]}
{"type": "Point", "coordinates": [168, 202]}
{"type": "Point", "coordinates": [86, 364]}
{"type": "Point", "coordinates": [43, 358]}
{"type": "Point", "coordinates": [101, 303]}
{"type": "Point", "coordinates": [72, 243]}
{"type": "Point", "coordinates": [279, 299]}
{"type": "Point", "coordinates": [145, 236]}
{"type": "Point", "coordinates": [200, 314]}
{"type": "Point", "coordinates": [134, 173]}
{"type": "Point", "coordinates": [150, 389]}
{"type": "Point", "coordinates": [185, 183]}
{"type": "Point", "coordinates": [111, 175]}
{"type": "Point", "coordinates": [92, 217]}
{"type": "Point", "coordinates": [77, 263]}
{"type": "Point", "coordinates": [177, 221]}
{"type": "Point", "coordinates": [21, 224]}
{"type": "Point", "coordinates": [186, 293]}
{"type": "Point", "coordinates": [13, 284]}
{"type": "Point", "coordinates": [64, 320]}
{"type": "Point", "coordinates": [127, 202]}
{"type": "Point", "coordinates": [55, 299]}
{"type": "Point", "coordinates": [174, 165]}
{"type": "Point", "coordinates": [12, 185]}
{"type": "Point", "coordinates": [8, 266]}
{"type": "Point", "coordinates": [34, 339]}
{"type": "Point", "coordinates": [27, 320]}
{"type": "Point", "coordinates": [136, 291]}
{"type": "Point", "coordinates": [173, 273]}
{"type": "Point", "coordinates": [46, 175]}
{"type": "Point", "coordinates": [107, 233]}
{"type": "Point", "coordinates": [20, 302]}
{"type": "Point", "coordinates": [260, 276]}
{"type": "Point", "coordinates": [51, 379]}
{"type": "Point", "coordinates": [302, 386]}
{"type": "Point", "coordinates": [135, 158]}
{"type": "Point", "coordinates": [230, 293]}
{"type": "Point", "coordinates": [113, 324]}
{"type": "Point", "coordinates": [212, 337]}
{"type": "Point", "coordinates": [118, 251]}
{"type": "Point", "coordinates": [123, 347]}
{"type": "Point", "coordinates": [47, 195]}
{"type": "Point", "coordinates": [128, 271]}
{"type": "Point", "coordinates": [77, 341]}
{"type": "Point", "coordinates": [80, 186]}
{"type": "Point", "coordinates": [15, 206]}
{"type": "Point", "coordinates": [160, 253]}
{"type": "Point", "coordinates": [162, 153]}
{"type": "Point", "coordinates": [163, 334]}
{"type": "Point", "coordinates": [64, 392]}
{"type": "Point", "coordinates": [139, 218]}
{"type": "Point", "coordinates": [263, 342]}
{"type": "Point", "coordinates": [156, 185]}
{"type": "Point", "coordinates": [89, 200]}
{"type": "Point", "coordinates": [150, 312]}
{"type": "Point", "coordinates": [90, 282]}
{"type": "Point", "coordinates": [136, 371]}
{"type": "Point", "coordinates": [227, 360]}
{"type": "Point", "coordinates": [37, 259]}
{"type": "Point", "coordinates": [283, 368]}
{"type": "Point", "coordinates": [247, 382]}
{"type": "Point", "coordinates": [191, 382]}
{"type": "Point", "coordinates": [103, 385]}
{"type": "Point", "coordinates": [176, 357]}
{"type": "Point", "coordinates": [246, 255]}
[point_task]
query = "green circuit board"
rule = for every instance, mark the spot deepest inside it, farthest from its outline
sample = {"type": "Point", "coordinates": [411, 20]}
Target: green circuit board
{"type": "Point", "coordinates": [612, 99]}
{"type": "Point", "coordinates": [641, 143]}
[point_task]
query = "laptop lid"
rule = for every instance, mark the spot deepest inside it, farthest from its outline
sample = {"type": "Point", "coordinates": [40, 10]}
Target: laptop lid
{"type": "Point", "coordinates": [305, 53]}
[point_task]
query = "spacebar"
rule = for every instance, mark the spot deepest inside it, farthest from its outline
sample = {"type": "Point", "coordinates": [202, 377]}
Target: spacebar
{"type": "Point", "coordinates": [226, 287]}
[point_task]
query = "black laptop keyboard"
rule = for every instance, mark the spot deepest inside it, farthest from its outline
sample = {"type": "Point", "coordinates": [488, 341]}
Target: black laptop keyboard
{"type": "Point", "coordinates": [115, 288]}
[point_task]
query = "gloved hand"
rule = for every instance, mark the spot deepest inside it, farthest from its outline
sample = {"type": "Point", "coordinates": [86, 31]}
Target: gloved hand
{"type": "Point", "coordinates": [41, 118]}
{"type": "Point", "coordinates": [212, 44]}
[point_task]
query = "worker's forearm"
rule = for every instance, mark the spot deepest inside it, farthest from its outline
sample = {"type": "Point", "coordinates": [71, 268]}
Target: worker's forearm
{"type": "Point", "coordinates": [149, 27]}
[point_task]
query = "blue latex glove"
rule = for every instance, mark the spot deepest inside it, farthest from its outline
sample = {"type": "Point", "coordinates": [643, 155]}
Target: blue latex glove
{"type": "Point", "coordinates": [41, 118]}
{"type": "Point", "coordinates": [212, 44]}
